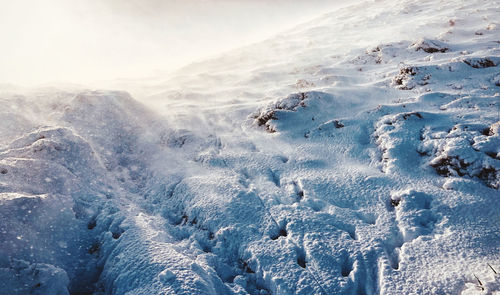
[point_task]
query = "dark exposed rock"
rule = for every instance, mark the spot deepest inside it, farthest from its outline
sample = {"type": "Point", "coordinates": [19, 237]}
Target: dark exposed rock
{"type": "Point", "coordinates": [290, 103]}
{"type": "Point", "coordinates": [480, 63]}
{"type": "Point", "coordinates": [430, 46]}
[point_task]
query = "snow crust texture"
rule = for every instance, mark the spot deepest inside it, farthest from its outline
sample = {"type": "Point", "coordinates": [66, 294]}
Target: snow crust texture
{"type": "Point", "coordinates": [298, 165]}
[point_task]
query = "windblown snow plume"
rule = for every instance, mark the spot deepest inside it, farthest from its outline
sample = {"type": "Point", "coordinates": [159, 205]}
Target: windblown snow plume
{"type": "Point", "coordinates": [358, 153]}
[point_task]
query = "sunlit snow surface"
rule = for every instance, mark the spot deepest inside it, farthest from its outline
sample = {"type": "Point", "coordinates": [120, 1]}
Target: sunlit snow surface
{"type": "Point", "coordinates": [355, 154]}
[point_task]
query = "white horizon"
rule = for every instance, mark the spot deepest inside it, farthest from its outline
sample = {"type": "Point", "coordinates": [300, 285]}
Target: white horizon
{"type": "Point", "coordinates": [89, 42]}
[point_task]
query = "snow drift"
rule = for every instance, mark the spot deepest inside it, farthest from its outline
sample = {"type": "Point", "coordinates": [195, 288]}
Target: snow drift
{"type": "Point", "coordinates": [294, 166]}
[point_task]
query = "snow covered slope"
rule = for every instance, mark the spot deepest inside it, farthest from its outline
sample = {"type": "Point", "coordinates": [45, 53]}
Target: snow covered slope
{"type": "Point", "coordinates": [358, 153]}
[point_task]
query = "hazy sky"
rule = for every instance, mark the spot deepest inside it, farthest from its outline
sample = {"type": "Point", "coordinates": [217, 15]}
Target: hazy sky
{"type": "Point", "coordinates": [43, 41]}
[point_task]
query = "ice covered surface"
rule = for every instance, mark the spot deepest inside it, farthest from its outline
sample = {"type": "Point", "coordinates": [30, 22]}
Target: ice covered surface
{"type": "Point", "coordinates": [299, 165]}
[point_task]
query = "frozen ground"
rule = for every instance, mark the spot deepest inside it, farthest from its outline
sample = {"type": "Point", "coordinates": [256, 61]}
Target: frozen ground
{"type": "Point", "coordinates": [358, 153]}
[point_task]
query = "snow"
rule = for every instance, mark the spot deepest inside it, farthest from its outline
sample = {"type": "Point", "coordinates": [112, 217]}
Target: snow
{"type": "Point", "coordinates": [354, 154]}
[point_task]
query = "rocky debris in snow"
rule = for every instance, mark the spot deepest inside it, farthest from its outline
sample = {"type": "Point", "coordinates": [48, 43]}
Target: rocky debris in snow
{"type": "Point", "coordinates": [430, 46]}
{"type": "Point", "coordinates": [271, 112]}
{"type": "Point", "coordinates": [338, 124]}
{"type": "Point", "coordinates": [465, 151]}
{"type": "Point", "coordinates": [386, 53]}
{"type": "Point", "coordinates": [481, 62]}
{"type": "Point", "coordinates": [409, 77]}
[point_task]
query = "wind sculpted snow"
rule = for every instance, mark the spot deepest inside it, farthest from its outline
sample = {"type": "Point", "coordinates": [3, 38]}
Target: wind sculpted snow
{"type": "Point", "coordinates": [293, 166]}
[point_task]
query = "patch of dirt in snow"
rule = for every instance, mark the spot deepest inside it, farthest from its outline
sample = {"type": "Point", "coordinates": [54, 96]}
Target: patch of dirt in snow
{"type": "Point", "coordinates": [465, 150]}
{"type": "Point", "coordinates": [291, 103]}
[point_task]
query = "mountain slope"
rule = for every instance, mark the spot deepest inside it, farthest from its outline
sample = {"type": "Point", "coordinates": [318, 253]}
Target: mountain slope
{"type": "Point", "coordinates": [356, 154]}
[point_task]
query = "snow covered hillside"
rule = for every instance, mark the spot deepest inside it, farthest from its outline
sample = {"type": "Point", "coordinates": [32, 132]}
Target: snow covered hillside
{"type": "Point", "coordinates": [358, 153]}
